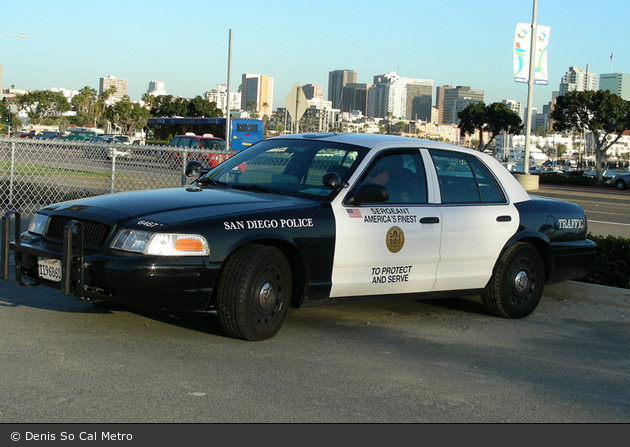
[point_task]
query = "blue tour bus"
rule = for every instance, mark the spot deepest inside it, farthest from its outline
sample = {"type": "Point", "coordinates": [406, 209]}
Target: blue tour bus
{"type": "Point", "coordinates": [244, 132]}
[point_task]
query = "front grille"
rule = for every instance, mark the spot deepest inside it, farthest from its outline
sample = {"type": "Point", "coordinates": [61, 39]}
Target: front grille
{"type": "Point", "coordinates": [94, 233]}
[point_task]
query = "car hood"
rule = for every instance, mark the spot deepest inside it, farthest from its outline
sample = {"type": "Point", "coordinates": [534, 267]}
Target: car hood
{"type": "Point", "coordinates": [174, 205]}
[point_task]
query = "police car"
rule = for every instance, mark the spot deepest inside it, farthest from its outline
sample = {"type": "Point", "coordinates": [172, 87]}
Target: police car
{"type": "Point", "coordinates": [303, 220]}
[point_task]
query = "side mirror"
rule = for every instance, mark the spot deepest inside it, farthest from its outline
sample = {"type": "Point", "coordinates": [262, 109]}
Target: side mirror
{"type": "Point", "coordinates": [193, 169]}
{"type": "Point", "coordinates": [332, 180]}
{"type": "Point", "coordinates": [368, 194]}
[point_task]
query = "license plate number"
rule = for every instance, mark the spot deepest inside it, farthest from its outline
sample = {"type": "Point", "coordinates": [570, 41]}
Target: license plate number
{"type": "Point", "coordinates": [49, 269]}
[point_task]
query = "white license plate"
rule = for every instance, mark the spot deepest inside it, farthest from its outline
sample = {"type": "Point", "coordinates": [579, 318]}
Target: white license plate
{"type": "Point", "coordinates": [49, 269]}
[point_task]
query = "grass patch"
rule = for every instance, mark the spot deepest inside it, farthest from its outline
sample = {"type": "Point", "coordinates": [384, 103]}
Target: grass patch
{"type": "Point", "coordinates": [31, 169]}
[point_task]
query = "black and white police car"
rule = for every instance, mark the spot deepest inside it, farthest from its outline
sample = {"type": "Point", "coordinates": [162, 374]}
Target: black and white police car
{"type": "Point", "coordinates": [306, 220]}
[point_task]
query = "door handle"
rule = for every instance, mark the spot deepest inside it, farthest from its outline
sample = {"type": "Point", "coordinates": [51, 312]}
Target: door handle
{"type": "Point", "coordinates": [504, 219]}
{"type": "Point", "coordinates": [430, 220]}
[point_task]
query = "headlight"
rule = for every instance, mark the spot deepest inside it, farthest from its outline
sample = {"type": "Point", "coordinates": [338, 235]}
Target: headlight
{"type": "Point", "coordinates": [38, 224]}
{"type": "Point", "coordinates": [161, 244]}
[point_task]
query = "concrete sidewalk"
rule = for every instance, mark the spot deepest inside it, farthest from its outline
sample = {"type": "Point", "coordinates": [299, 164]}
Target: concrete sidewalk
{"type": "Point", "coordinates": [593, 293]}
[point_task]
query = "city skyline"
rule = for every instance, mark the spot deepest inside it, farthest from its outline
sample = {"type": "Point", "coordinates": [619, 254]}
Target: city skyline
{"type": "Point", "coordinates": [453, 43]}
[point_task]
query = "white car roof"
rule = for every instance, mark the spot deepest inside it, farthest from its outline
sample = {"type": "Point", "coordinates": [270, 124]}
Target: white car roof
{"type": "Point", "coordinates": [514, 189]}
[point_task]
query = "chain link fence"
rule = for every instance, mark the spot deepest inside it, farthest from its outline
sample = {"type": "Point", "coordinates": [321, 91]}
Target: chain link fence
{"type": "Point", "coordinates": [35, 173]}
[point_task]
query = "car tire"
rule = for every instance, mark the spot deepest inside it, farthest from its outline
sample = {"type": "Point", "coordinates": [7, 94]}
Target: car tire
{"type": "Point", "coordinates": [517, 283]}
{"type": "Point", "coordinates": [620, 185]}
{"type": "Point", "coordinates": [251, 276]}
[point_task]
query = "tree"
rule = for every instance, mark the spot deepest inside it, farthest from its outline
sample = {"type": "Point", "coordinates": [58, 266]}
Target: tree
{"type": "Point", "coordinates": [87, 107]}
{"type": "Point", "coordinates": [201, 108]}
{"type": "Point", "coordinates": [604, 114]}
{"type": "Point", "coordinates": [561, 149]}
{"type": "Point", "coordinates": [168, 106]}
{"type": "Point", "coordinates": [126, 116]}
{"type": "Point", "coordinates": [42, 104]}
{"type": "Point", "coordinates": [494, 118]}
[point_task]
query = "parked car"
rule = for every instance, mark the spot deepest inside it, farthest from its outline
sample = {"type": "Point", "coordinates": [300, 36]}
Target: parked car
{"type": "Point", "coordinates": [198, 150]}
{"type": "Point", "coordinates": [49, 136]}
{"type": "Point", "coordinates": [607, 174]}
{"type": "Point", "coordinates": [106, 146]}
{"type": "Point", "coordinates": [307, 220]}
{"type": "Point", "coordinates": [620, 180]}
{"type": "Point", "coordinates": [29, 134]}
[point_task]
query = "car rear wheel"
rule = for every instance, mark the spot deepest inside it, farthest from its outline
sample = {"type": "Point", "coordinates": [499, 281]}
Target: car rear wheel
{"type": "Point", "coordinates": [620, 185]}
{"type": "Point", "coordinates": [254, 292]}
{"type": "Point", "coordinates": [517, 284]}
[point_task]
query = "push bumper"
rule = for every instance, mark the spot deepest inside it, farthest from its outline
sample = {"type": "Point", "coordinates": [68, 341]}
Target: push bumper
{"type": "Point", "coordinates": [175, 283]}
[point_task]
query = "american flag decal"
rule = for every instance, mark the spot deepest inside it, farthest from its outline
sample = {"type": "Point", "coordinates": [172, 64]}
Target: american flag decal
{"type": "Point", "coordinates": [355, 214]}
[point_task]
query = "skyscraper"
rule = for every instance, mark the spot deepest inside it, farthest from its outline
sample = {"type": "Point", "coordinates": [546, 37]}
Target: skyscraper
{"type": "Point", "coordinates": [156, 88]}
{"type": "Point", "coordinates": [514, 106]}
{"type": "Point", "coordinates": [257, 93]}
{"type": "Point", "coordinates": [578, 80]}
{"type": "Point", "coordinates": [313, 91]}
{"type": "Point", "coordinates": [617, 83]}
{"type": "Point", "coordinates": [355, 97]}
{"type": "Point", "coordinates": [419, 98]}
{"type": "Point", "coordinates": [337, 79]}
{"type": "Point", "coordinates": [453, 101]}
{"type": "Point", "coordinates": [220, 97]}
{"type": "Point", "coordinates": [387, 97]}
{"type": "Point", "coordinates": [113, 81]}
{"type": "Point", "coordinates": [439, 101]}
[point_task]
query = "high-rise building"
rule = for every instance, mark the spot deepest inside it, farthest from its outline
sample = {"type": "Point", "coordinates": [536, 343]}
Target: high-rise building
{"type": "Point", "coordinates": [219, 96]}
{"type": "Point", "coordinates": [577, 80]}
{"type": "Point", "coordinates": [355, 97]}
{"type": "Point", "coordinates": [257, 93]}
{"type": "Point", "coordinates": [617, 83]}
{"type": "Point", "coordinates": [387, 97]}
{"type": "Point", "coordinates": [419, 98]}
{"type": "Point", "coordinates": [313, 91]}
{"type": "Point", "coordinates": [451, 95]}
{"type": "Point", "coordinates": [439, 101]}
{"type": "Point", "coordinates": [337, 79]}
{"type": "Point", "coordinates": [514, 106]}
{"type": "Point", "coordinates": [156, 88]}
{"type": "Point", "coordinates": [113, 81]}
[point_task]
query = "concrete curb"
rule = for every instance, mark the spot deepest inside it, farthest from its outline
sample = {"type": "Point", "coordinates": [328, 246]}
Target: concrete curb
{"type": "Point", "coordinates": [593, 293]}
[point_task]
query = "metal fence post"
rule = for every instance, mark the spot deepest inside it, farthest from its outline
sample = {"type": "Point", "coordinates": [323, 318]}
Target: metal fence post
{"type": "Point", "coordinates": [113, 175]}
{"type": "Point", "coordinates": [12, 172]}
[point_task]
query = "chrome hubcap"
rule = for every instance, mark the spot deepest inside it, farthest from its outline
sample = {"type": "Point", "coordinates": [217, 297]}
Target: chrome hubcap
{"type": "Point", "coordinates": [266, 296]}
{"type": "Point", "coordinates": [521, 282]}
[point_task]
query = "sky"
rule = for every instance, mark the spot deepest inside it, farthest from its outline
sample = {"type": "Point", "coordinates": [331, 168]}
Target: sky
{"type": "Point", "coordinates": [72, 44]}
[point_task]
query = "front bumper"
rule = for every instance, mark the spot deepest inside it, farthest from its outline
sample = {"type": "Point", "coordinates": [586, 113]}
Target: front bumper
{"type": "Point", "coordinates": [174, 282]}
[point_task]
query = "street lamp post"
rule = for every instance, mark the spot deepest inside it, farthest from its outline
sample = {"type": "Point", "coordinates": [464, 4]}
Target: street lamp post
{"type": "Point", "coordinates": [14, 35]}
{"type": "Point", "coordinates": [530, 91]}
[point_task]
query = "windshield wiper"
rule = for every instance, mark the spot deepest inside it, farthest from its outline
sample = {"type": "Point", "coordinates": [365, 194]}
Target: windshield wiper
{"type": "Point", "coordinates": [257, 188]}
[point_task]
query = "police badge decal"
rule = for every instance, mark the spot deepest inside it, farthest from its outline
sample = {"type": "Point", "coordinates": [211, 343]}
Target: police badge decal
{"type": "Point", "coordinates": [395, 239]}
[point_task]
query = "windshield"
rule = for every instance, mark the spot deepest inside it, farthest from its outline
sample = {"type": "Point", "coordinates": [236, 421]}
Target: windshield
{"type": "Point", "coordinates": [291, 167]}
{"type": "Point", "coordinates": [216, 145]}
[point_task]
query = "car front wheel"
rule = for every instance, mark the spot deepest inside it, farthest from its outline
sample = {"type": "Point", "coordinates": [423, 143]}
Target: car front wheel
{"type": "Point", "coordinates": [254, 292]}
{"type": "Point", "coordinates": [517, 284]}
{"type": "Point", "coordinates": [620, 185]}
